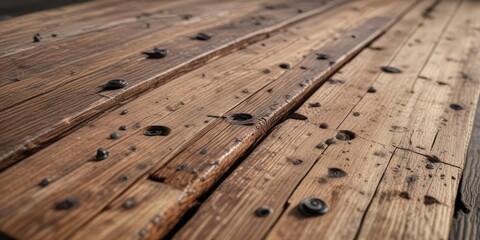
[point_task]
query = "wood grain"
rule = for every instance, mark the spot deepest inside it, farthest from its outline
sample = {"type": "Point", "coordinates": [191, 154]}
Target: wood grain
{"type": "Point", "coordinates": [55, 112]}
{"type": "Point", "coordinates": [412, 201]}
{"type": "Point", "coordinates": [17, 33]}
{"type": "Point", "coordinates": [173, 103]}
{"type": "Point", "coordinates": [214, 221]}
{"type": "Point", "coordinates": [106, 183]}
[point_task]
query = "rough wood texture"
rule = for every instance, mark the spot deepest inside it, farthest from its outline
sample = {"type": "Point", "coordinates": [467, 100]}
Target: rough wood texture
{"type": "Point", "coordinates": [412, 201]}
{"type": "Point", "coordinates": [185, 54]}
{"type": "Point", "coordinates": [134, 164]}
{"type": "Point", "coordinates": [408, 178]}
{"type": "Point", "coordinates": [17, 33]}
{"type": "Point", "coordinates": [382, 140]}
{"type": "Point", "coordinates": [466, 221]}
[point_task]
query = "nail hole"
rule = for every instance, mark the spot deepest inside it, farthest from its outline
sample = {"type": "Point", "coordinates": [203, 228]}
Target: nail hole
{"type": "Point", "coordinates": [314, 105]}
{"type": "Point", "coordinates": [66, 204]}
{"type": "Point", "coordinates": [404, 195]}
{"type": "Point", "coordinates": [156, 130]}
{"type": "Point", "coordinates": [263, 211]}
{"type": "Point", "coordinates": [297, 161]}
{"type": "Point", "coordinates": [371, 90]}
{"type": "Point", "coordinates": [433, 159]}
{"type": "Point", "coordinates": [345, 135]}
{"type": "Point", "coordinates": [336, 173]}
{"type": "Point", "coordinates": [456, 106]}
{"type": "Point", "coordinates": [129, 203]}
{"type": "Point", "coordinates": [203, 36]}
{"type": "Point", "coordinates": [284, 65]}
{"type": "Point", "coordinates": [322, 56]}
{"type": "Point", "coordinates": [389, 69]}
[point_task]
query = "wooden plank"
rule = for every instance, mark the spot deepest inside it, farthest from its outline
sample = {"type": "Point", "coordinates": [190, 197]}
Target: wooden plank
{"type": "Point", "coordinates": [17, 33]}
{"type": "Point", "coordinates": [360, 159]}
{"type": "Point", "coordinates": [174, 101]}
{"type": "Point", "coordinates": [430, 186]}
{"type": "Point", "coordinates": [270, 174]}
{"type": "Point", "coordinates": [134, 202]}
{"type": "Point", "coordinates": [207, 158]}
{"type": "Point", "coordinates": [141, 74]}
{"type": "Point", "coordinates": [412, 201]}
{"type": "Point", "coordinates": [466, 221]}
{"type": "Point", "coordinates": [82, 56]}
{"type": "Point", "coordinates": [135, 164]}
{"type": "Point", "coordinates": [410, 117]}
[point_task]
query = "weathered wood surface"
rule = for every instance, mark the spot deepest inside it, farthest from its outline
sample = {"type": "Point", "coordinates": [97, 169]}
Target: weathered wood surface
{"type": "Point", "coordinates": [466, 221]}
{"type": "Point", "coordinates": [154, 152]}
{"type": "Point", "coordinates": [396, 177]}
{"type": "Point", "coordinates": [69, 98]}
{"type": "Point", "coordinates": [414, 198]}
{"type": "Point", "coordinates": [17, 33]}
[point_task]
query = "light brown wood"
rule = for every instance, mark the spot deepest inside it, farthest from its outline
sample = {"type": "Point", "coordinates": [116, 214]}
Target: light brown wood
{"type": "Point", "coordinates": [412, 201]}
{"type": "Point", "coordinates": [183, 109]}
{"type": "Point", "coordinates": [186, 54]}
{"type": "Point", "coordinates": [413, 116]}
{"type": "Point", "coordinates": [397, 175]}
{"type": "Point", "coordinates": [137, 203]}
{"type": "Point", "coordinates": [241, 200]}
{"type": "Point", "coordinates": [17, 33]}
{"type": "Point", "coordinates": [120, 162]}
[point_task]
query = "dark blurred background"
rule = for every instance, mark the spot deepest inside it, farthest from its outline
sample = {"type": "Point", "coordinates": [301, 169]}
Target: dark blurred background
{"type": "Point", "coordinates": [13, 8]}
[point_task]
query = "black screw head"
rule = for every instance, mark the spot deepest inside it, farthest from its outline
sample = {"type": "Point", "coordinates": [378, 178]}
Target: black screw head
{"type": "Point", "coordinates": [203, 36]}
{"type": "Point", "coordinates": [336, 173]}
{"type": "Point", "coordinates": [129, 203]}
{"type": "Point", "coordinates": [263, 211]}
{"type": "Point", "coordinates": [66, 204]}
{"type": "Point", "coordinates": [389, 69]}
{"type": "Point", "coordinates": [37, 37]}
{"type": "Point", "coordinates": [313, 207]}
{"type": "Point", "coordinates": [156, 130]}
{"type": "Point", "coordinates": [124, 112]}
{"type": "Point", "coordinates": [330, 141]}
{"type": "Point", "coordinates": [456, 106]}
{"type": "Point", "coordinates": [297, 161]}
{"type": "Point", "coordinates": [345, 135]}
{"type": "Point", "coordinates": [114, 135]}
{"type": "Point", "coordinates": [123, 128]}
{"type": "Point", "coordinates": [314, 105]}
{"type": "Point", "coordinates": [371, 90]}
{"type": "Point", "coordinates": [102, 154]}
{"type": "Point", "coordinates": [45, 182]}
{"type": "Point", "coordinates": [115, 84]}
{"type": "Point", "coordinates": [285, 65]}
{"type": "Point", "coordinates": [156, 53]}
{"type": "Point", "coordinates": [322, 56]}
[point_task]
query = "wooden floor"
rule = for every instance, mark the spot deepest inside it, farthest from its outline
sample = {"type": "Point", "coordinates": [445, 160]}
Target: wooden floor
{"type": "Point", "coordinates": [241, 119]}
